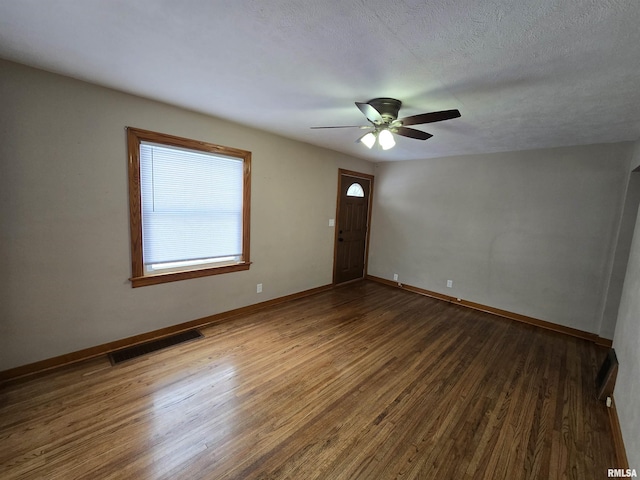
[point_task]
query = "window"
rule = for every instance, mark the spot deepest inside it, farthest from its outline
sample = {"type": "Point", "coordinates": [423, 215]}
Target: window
{"type": "Point", "coordinates": [355, 190]}
{"type": "Point", "coordinates": [189, 208]}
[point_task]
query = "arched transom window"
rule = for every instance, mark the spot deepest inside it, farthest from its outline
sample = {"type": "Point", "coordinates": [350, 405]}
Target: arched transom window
{"type": "Point", "coordinates": [355, 190]}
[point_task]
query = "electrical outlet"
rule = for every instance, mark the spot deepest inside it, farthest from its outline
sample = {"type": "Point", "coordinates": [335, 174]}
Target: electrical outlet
{"type": "Point", "coordinates": [259, 288]}
{"type": "Point", "coordinates": [449, 283]}
{"type": "Point", "coordinates": [395, 277]}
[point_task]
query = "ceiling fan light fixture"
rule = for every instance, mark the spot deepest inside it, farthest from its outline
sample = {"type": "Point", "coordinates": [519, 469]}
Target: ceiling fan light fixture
{"type": "Point", "coordinates": [386, 140]}
{"type": "Point", "coordinates": [382, 114]}
{"type": "Point", "coordinates": [369, 139]}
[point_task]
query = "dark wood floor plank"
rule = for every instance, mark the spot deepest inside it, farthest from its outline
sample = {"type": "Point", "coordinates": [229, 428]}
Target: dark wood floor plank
{"type": "Point", "coordinates": [364, 381]}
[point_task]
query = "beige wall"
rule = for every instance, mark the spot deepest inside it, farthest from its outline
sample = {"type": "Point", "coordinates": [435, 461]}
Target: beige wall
{"type": "Point", "coordinates": [627, 345]}
{"type": "Point", "coordinates": [635, 162]}
{"type": "Point", "coordinates": [65, 225]}
{"type": "Point", "coordinates": [529, 232]}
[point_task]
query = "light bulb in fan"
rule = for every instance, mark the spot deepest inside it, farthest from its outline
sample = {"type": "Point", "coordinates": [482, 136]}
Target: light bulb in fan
{"type": "Point", "coordinates": [386, 140]}
{"type": "Point", "coordinates": [369, 139]}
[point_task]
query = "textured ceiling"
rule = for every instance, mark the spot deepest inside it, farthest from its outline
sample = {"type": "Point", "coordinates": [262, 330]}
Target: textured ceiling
{"type": "Point", "coordinates": [524, 74]}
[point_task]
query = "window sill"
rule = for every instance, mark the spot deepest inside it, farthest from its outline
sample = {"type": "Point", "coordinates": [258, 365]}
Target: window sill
{"type": "Point", "coordinates": [158, 278]}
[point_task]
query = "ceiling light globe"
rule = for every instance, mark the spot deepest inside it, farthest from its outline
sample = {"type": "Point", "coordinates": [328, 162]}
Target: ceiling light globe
{"type": "Point", "coordinates": [386, 140]}
{"type": "Point", "coordinates": [368, 139]}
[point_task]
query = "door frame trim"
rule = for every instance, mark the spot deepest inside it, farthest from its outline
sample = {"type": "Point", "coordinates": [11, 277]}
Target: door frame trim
{"type": "Point", "coordinates": [366, 176]}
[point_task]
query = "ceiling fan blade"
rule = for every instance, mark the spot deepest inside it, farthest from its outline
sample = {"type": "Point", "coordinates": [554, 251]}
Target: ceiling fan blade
{"type": "Point", "coordinates": [371, 113]}
{"type": "Point", "coordinates": [412, 133]}
{"type": "Point", "coordinates": [345, 126]}
{"type": "Point", "coordinates": [430, 117]}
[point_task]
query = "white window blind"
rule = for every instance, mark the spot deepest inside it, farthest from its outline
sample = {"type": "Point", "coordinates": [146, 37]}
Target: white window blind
{"type": "Point", "coordinates": [191, 206]}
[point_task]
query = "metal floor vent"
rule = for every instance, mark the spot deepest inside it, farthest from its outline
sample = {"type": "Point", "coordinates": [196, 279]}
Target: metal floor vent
{"type": "Point", "coordinates": [144, 348]}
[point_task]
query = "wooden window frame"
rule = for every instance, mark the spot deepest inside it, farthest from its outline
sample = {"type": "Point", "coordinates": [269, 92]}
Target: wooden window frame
{"type": "Point", "coordinates": [139, 278]}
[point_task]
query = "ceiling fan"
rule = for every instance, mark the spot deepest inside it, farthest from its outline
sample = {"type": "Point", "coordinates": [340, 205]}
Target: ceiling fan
{"type": "Point", "coordinates": [382, 113]}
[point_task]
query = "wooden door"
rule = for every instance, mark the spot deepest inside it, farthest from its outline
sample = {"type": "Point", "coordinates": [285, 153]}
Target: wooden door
{"type": "Point", "coordinates": [352, 226]}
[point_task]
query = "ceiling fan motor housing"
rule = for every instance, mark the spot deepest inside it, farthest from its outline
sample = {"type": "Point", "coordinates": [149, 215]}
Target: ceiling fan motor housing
{"type": "Point", "coordinates": [387, 107]}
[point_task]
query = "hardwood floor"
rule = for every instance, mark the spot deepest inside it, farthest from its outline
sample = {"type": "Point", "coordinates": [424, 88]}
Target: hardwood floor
{"type": "Point", "coordinates": [361, 382]}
